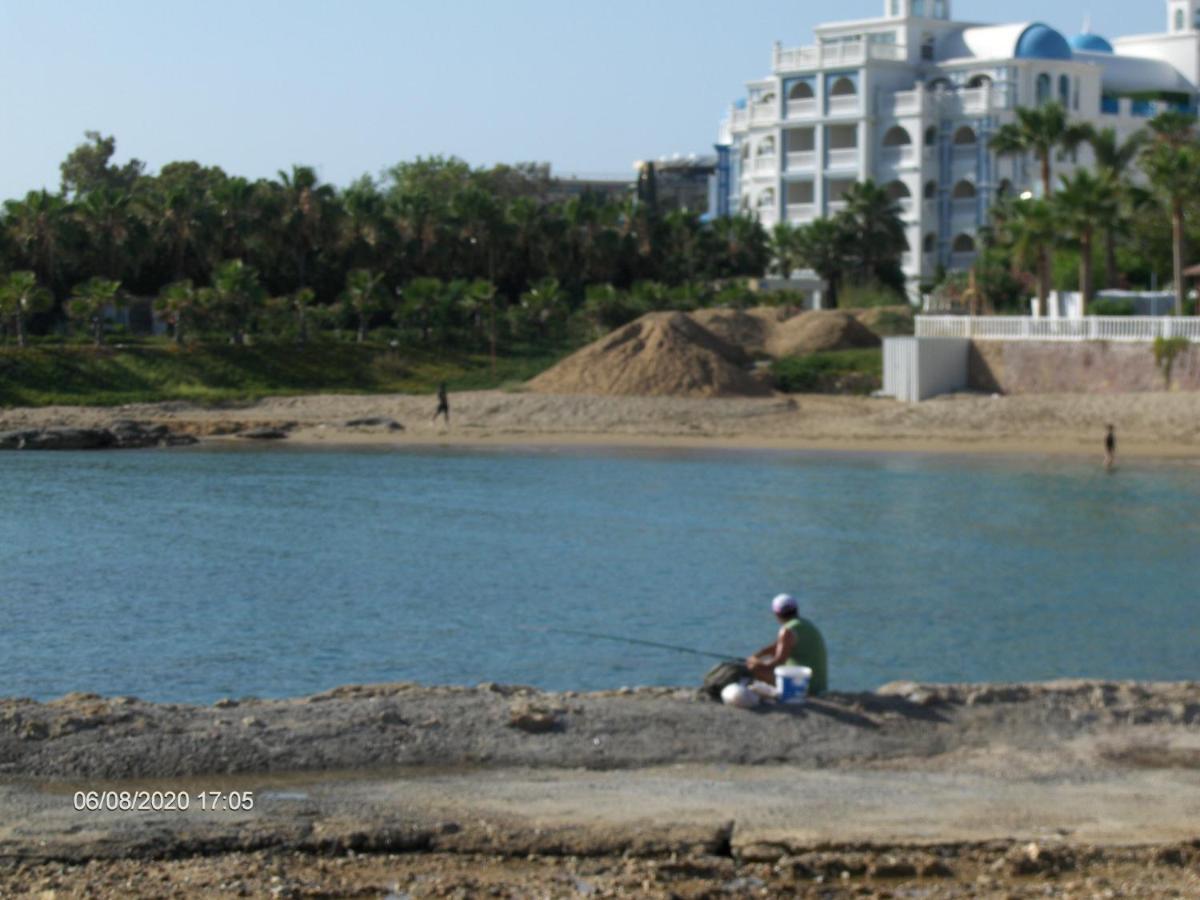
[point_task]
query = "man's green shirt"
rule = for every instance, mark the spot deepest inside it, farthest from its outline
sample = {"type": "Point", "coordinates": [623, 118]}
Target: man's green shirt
{"type": "Point", "coordinates": [809, 650]}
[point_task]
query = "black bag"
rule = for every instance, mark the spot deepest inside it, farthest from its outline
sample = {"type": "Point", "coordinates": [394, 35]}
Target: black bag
{"type": "Point", "coordinates": [724, 674]}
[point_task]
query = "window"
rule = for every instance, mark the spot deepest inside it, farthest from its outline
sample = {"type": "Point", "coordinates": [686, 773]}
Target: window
{"type": "Point", "coordinates": [931, 136]}
{"type": "Point", "coordinates": [964, 243]}
{"type": "Point", "coordinates": [929, 244]}
{"type": "Point", "coordinates": [1110, 105]}
{"type": "Point", "coordinates": [939, 9]}
{"type": "Point", "coordinates": [1196, 20]}
{"type": "Point", "coordinates": [1179, 20]}
{"type": "Point", "coordinates": [964, 137]}
{"type": "Point", "coordinates": [918, 8]}
{"type": "Point", "coordinates": [766, 146]}
{"type": "Point", "coordinates": [1005, 188]}
{"type": "Point", "coordinates": [978, 81]}
{"type": "Point", "coordinates": [895, 8]}
{"type": "Point", "coordinates": [766, 200]}
{"type": "Point", "coordinates": [896, 136]}
{"type": "Point", "coordinates": [1043, 89]}
{"type": "Point", "coordinates": [1064, 91]}
{"type": "Point", "coordinates": [898, 190]}
{"type": "Point", "coordinates": [843, 87]}
{"type": "Point", "coordinates": [927, 48]}
{"type": "Point", "coordinates": [801, 90]}
{"type": "Point", "coordinates": [939, 84]}
{"type": "Point", "coordinates": [964, 190]}
{"type": "Point", "coordinates": [930, 192]}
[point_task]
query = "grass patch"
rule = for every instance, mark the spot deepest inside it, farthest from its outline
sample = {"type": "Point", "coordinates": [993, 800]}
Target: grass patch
{"type": "Point", "coordinates": [830, 372]}
{"type": "Point", "coordinates": [152, 372]}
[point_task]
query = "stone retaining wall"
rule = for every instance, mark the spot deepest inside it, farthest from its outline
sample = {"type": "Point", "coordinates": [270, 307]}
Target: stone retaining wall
{"type": "Point", "coordinates": [1090, 367]}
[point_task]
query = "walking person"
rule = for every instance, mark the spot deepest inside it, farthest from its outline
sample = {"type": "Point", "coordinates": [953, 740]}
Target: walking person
{"type": "Point", "coordinates": [1110, 449]}
{"type": "Point", "coordinates": [443, 407]}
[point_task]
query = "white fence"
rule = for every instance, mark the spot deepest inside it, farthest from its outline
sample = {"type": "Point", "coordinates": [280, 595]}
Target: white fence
{"type": "Point", "coordinates": [1092, 328]}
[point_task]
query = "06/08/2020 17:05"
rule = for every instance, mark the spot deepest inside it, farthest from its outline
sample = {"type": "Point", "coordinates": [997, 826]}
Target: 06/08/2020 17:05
{"type": "Point", "coordinates": [163, 801]}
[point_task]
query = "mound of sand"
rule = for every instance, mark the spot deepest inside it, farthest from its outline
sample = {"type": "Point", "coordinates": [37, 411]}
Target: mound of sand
{"type": "Point", "coordinates": [820, 330]}
{"type": "Point", "coordinates": [750, 329]}
{"type": "Point", "coordinates": [887, 320]}
{"type": "Point", "coordinates": [660, 354]}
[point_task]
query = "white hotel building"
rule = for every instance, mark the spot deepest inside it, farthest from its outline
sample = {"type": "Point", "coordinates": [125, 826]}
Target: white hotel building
{"type": "Point", "coordinates": [912, 100]}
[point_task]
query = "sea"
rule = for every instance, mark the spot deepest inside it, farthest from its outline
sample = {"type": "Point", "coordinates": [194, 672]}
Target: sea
{"type": "Point", "coordinates": [187, 575]}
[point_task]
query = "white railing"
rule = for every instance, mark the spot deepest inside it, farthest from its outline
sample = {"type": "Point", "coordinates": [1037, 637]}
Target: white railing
{"type": "Point", "coordinates": [1091, 328]}
{"type": "Point", "coordinates": [801, 212]}
{"type": "Point", "coordinates": [898, 156]}
{"type": "Point", "coordinates": [901, 103]}
{"type": "Point", "coordinates": [790, 59]}
{"type": "Point", "coordinates": [763, 112]}
{"type": "Point", "coordinates": [801, 109]}
{"type": "Point", "coordinates": [739, 118]}
{"type": "Point", "coordinates": [802, 159]}
{"type": "Point", "coordinates": [845, 158]}
{"type": "Point", "coordinates": [965, 206]}
{"type": "Point", "coordinates": [764, 165]}
{"type": "Point", "coordinates": [833, 207]}
{"type": "Point", "coordinates": [844, 105]}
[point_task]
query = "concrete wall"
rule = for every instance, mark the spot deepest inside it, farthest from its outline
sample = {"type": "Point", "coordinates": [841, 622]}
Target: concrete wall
{"type": "Point", "coordinates": [1087, 367]}
{"type": "Point", "coordinates": [916, 369]}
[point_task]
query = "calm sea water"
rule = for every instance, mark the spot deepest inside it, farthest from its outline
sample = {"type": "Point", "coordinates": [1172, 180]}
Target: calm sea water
{"type": "Point", "coordinates": [188, 575]}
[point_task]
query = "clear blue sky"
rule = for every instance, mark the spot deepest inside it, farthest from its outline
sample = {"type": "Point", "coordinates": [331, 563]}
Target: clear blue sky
{"type": "Point", "coordinates": [351, 87]}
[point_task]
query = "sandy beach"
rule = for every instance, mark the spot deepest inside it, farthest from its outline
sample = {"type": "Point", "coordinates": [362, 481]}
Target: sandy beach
{"type": "Point", "coordinates": [1157, 425]}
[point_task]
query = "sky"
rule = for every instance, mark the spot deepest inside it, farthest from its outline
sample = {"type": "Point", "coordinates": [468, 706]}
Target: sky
{"type": "Point", "coordinates": [352, 87]}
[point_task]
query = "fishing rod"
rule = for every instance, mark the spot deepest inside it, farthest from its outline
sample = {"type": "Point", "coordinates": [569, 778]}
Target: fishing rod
{"type": "Point", "coordinates": [628, 640]}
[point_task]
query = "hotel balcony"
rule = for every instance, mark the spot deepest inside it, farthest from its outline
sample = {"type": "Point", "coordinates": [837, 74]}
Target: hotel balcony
{"type": "Point", "coordinates": [764, 113]}
{"type": "Point", "coordinates": [966, 207]}
{"type": "Point", "coordinates": [820, 56]}
{"type": "Point", "coordinates": [802, 109]}
{"type": "Point", "coordinates": [801, 212]}
{"type": "Point", "coordinates": [802, 160]}
{"type": "Point", "coordinates": [847, 105]}
{"type": "Point", "coordinates": [896, 157]}
{"type": "Point", "coordinates": [845, 158]}
{"type": "Point", "coordinates": [901, 103]}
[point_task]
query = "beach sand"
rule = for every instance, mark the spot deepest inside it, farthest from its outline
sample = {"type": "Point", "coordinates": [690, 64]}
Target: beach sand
{"type": "Point", "coordinates": [1158, 425]}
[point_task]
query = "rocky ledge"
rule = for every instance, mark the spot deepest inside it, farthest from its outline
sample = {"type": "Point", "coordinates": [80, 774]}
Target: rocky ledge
{"type": "Point", "coordinates": [123, 434]}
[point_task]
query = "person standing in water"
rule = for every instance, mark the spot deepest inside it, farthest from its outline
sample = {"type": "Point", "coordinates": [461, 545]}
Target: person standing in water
{"type": "Point", "coordinates": [443, 407]}
{"type": "Point", "coordinates": [798, 643]}
{"type": "Point", "coordinates": [1110, 448]}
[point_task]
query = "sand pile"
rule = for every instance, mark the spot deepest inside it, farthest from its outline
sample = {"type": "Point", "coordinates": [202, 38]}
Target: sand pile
{"type": "Point", "coordinates": [820, 330]}
{"type": "Point", "coordinates": [750, 329]}
{"type": "Point", "coordinates": [887, 320]}
{"type": "Point", "coordinates": [660, 354]}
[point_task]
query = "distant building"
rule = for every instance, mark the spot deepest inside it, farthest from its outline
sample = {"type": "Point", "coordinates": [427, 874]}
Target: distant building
{"type": "Point", "coordinates": [912, 100]}
{"type": "Point", "coordinates": [680, 182]}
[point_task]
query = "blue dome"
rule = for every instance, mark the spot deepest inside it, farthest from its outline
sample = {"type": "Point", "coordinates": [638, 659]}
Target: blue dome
{"type": "Point", "coordinates": [1092, 43]}
{"type": "Point", "coordinates": [739, 103]}
{"type": "Point", "coordinates": [1042, 42]}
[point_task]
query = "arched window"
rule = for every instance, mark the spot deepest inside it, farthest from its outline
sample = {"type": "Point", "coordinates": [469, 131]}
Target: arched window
{"type": "Point", "coordinates": [930, 135]}
{"type": "Point", "coordinates": [939, 84]}
{"type": "Point", "coordinates": [896, 136]}
{"type": "Point", "coordinates": [1043, 89]}
{"type": "Point", "coordinates": [978, 81]}
{"type": "Point", "coordinates": [766, 147]}
{"type": "Point", "coordinates": [963, 243]}
{"type": "Point", "coordinates": [1179, 20]}
{"type": "Point", "coordinates": [746, 150]}
{"type": "Point", "coordinates": [930, 191]}
{"type": "Point", "coordinates": [801, 90]}
{"type": "Point", "coordinates": [766, 200]}
{"type": "Point", "coordinates": [929, 244]}
{"type": "Point", "coordinates": [1064, 91]}
{"type": "Point", "coordinates": [898, 190]}
{"type": "Point", "coordinates": [843, 87]}
{"type": "Point", "coordinates": [964, 190]}
{"type": "Point", "coordinates": [965, 136]}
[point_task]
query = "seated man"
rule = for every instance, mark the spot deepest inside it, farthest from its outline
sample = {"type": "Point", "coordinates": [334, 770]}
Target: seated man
{"type": "Point", "coordinates": [799, 643]}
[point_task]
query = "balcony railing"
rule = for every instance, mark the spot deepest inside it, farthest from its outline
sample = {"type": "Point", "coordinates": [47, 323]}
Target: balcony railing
{"type": "Point", "coordinates": [846, 158]}
{"type": "Point", "coordinates": [792, 59]}
{"type": "Point", "coordinates": [739, 118]}
{"type": "Point", "coordinates": [901, 103]}
{"type": "Point", "coordinates": [802, 109]}
{"type": "Point", "coordinates": [763, 112]}
{"type": "Point", "coordinates": [801, 159]}
{"type": "Point", "coordinates": [898, 156]}
{"type": "Point", "coordinates": [964, 206]}
{"type": "Point", "coordinates": [765, 164]}
{"type": "Point", "coordinates": [801, 212]}
{"type": "Point", "coordinates": [845, 105]}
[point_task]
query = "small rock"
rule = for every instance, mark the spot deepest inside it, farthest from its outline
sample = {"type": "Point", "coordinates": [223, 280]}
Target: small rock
{"type": "Point", "coordinates": [264, 434]}
{"type": "Point", "coordinates": [533, 719]}
{"type": "Point", "coordinates": [252, 722]}
{"type": "Point", "coordinates": [225, 703]}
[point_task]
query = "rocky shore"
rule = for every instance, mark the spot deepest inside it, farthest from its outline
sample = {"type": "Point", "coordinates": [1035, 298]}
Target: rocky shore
{"type": "Point", "coordinates": [1070, 788]}
{"type": "Point", "coordinates": [121, 434]}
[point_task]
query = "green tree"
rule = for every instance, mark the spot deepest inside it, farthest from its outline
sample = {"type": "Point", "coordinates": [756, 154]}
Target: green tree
{"type": "Point", "coordinates": [20, 297]}
{"type": "Point", "coordinates": [541, 312]}
{"type": "Point", "coordinates": [1114, 158]}
{"type": "Point", "coordinates": [1084, 201]}
{"type": "Point", "coordinates": [824, 247]}
{"type": "Point", "coordinates": [89, 168]}
{"type": "Point", "coordinates": [91, 299]}
{"type": "Point", "coordinates": [235, 298]}
{"type": "Point", "coordinates": [180, 303]}
{"type": "Point", "coordinates": [40, 230]}
{"type": "Point", "coordinates": [877, 239]}
{"type": "Point", "coordinates": [363, 297]}
{"type": "Point", "coordinates": [1171, 161]}
{"type": "Point", "coordinates": [785, 249]}
{"type": "Point", "coordinates": [306, 221]}
{"type": "Point", "coordinates": [1028, 228]}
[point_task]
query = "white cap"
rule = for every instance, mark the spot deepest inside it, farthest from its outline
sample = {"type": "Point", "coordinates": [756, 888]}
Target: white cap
{"type": "Point", "coordinates": [783, 603]}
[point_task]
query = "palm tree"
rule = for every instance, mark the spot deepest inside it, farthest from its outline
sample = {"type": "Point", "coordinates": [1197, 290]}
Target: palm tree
{"type": "Point", "coordinates": [873, 220]}
{"type": "Point", "coordinates": [307, 206]}
{"type": "Point", "coordinates": [179, 302]}
{"type": "Point", "coordinates": [785, 249]}
{"type": "Point", "coordinates": [234, 297]}
{"type": "Point", "coordinates": [364, 296]}
{"type": "Point", "coordinates": [1030, 227]}
{"type": "Point", "coordinates": [91, 299]}
{"type": "Point", "coordinates": [302, 303]}
{"type": "Point", "coordinates": [1113, 158]}
{"type": "Point", "coordinates": [1172, 163]}
{"type": "Point", "coordinates": [483, 293]}
{"type": "Point", "coordinates": [20, 297]}
{"type": "Point", "coordinates": [106, 217]}
{"type": "Point", "coordinates": [1084, 201]}
{"type": "Point", "coordinates": [1042, 131]}
{"type": "Point", "coordinates": [823, 245]}
{"type": "Point", "coordinates": [40, 229]}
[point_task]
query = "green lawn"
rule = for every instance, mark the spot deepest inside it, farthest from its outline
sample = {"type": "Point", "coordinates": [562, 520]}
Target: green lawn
{"type": "Point", "coordinates": [831, 372]}
{"type": "Point", "coordinates": [149, 371]}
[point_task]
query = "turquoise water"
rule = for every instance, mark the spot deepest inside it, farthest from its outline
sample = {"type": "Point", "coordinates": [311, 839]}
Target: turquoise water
{"type": "Point", "coordinates": [188, 575]}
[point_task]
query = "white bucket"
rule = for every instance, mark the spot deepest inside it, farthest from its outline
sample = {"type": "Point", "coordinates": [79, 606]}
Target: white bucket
{"type": "Point", "coordinates": [791, 683]}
